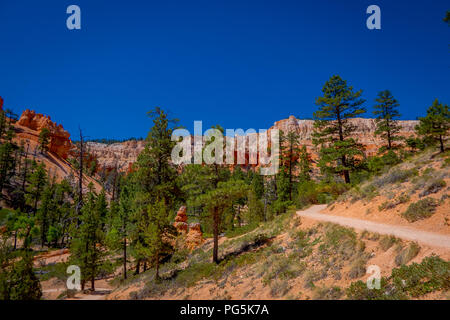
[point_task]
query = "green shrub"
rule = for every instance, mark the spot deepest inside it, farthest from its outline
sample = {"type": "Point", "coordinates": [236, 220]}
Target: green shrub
{"type": "Point", "coordinates": [407, 254]}
{"type": "Point", "coordinates": [326, 293]}
{"type": "Point", "coordinates": [422, 209]}
{"type": "Point", "coordinates": [395, 176]}
{"type": "Point", "coordinates": [415, 280]}
{"type": "Point", "coordinates": [388, 241]}
{"type": "Point", "coordinates": [432, 274]}
{"type": "Point", "coordinates": [358, 268]}
{"type": "Point", "coordinates": [279, 288]}
{"type": "Point", "coordinates": [403, 198]}
{"type": "Point", "coordinates": [434, 186]}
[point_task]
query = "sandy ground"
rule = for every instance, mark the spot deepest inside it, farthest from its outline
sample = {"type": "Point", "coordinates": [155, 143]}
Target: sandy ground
{"type": "Point", "coordinates": [424, 237]}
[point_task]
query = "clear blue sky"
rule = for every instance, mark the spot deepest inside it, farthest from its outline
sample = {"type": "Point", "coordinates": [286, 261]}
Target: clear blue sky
{"type": "Point", "coordinates": [241, 64]}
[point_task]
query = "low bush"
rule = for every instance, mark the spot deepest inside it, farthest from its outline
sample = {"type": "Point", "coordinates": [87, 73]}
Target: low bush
{"type": "Point", "coordinates": [407, 254]}
{"type": "Point", "coordinates": [395, 176]}
{"type": "Point", "coordinates": [326, 293]}
{"type": "Point", "coordinates": [434, 186]}
{"type": "Point", "coordinates": [413, 281]}
{"type": "Point", "coordinates": [388, 241]}
{"type": "Point", "coordinates": [279, 288]}
{"type": "Point", "coordinates": [422, 209]}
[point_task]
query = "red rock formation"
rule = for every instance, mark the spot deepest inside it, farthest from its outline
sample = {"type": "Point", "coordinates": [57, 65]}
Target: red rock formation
{"type": "Point", "coordinates": [59, 138]}
{"type": "Point", "coordinates": [126, 153]}
{"type": "Point", "coordinates": [120, 154]}
{"type": "Point", "coordinates": [194, 237]}
{"type": "Point", "coordinates": [181, 220]}
{"type": "Point", "coordinates": [1, 103]}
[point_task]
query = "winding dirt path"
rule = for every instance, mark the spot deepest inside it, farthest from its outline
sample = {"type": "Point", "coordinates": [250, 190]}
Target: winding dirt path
{"type": "Point", "coordinates": [428, 238]}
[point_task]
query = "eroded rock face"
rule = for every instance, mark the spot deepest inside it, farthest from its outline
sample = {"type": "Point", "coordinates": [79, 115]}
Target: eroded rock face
{"type": "Point", "coordinates": [181, 220]}
{"type": "Point", "coordinates": [60, 142]}
{"type": "Point", "coordinates": [194, 237]}
{"type": "Point", "coordinates": [121, 154]}
{"type": "Point", "coordinates": [126, 153]}
{"type": "Point", "coordinates": [191, 235]}
{"type": "Point", "coordinates": [365, 129]}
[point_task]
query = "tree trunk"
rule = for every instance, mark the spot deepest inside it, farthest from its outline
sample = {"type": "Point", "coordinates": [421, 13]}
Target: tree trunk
{"type": "Point", "coordinates": [138, 266]}
{"type": "Point", "coordinates": [80, 180]}
{"type": "Point", "coordinates": [125, 257]}
{"type": "Point", "coordinates": [15, 240]}
{"type": "Point", "coordinates": [93, 283]}
{"type": "Point", "coordinates": [216, 236]}
{"type": "Point", "coordinates": [346, 173]}
{"type": "Point", "coordinates": [441, 141]}
{"type": "Point", "coordinates": [157, 266]}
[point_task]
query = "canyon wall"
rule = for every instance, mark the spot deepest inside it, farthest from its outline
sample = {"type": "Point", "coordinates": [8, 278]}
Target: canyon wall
{"type": "Point", "coordinates": [125, 153]}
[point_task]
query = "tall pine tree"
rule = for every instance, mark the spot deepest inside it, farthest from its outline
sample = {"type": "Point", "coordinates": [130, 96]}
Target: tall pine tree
{"type": "Point", "coordinates": [436, 124]}
{"type": "Point", "coordinates": [386, 113]}
{"type": "Point", "coordinates": [333, 131]}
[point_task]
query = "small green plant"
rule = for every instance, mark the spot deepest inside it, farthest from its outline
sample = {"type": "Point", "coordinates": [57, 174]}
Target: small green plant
{"type": "Point", "coordinates": [412, 281]}
{"type": "Point", "coordinates": [326, 293]}
{"type": "Point", "coordinates": [407, 254]}
{"type": "Point", "coordinates": [387, 241]}
{"type": "Point", "coordinates": [422, 209]}
{"type": "Point", "coordinates": [403, 198]}
{"type": "Point", "coordinates": [279, 288]}
{"type": "Point", "coordinates": [434, 186]}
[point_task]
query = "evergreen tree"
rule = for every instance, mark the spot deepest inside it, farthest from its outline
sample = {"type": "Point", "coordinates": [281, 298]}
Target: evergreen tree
{"type": "Point", "coordinates": [24, 285]}
{"type": "Point", "coordinates": [158, 232]}
{"type": "Point", "coordinates": [216, 202]}
{"type": "Point", "coordinates": [386, 112]}
{"type": "Point", "coordinates": [255, 207]}
{"type": "Point", "coordinates": [38, 180]}
{"type": "Point", "coordinates": [156, 177]}
{"type": "Point", "coordinates": [305, 165]}
{"type": "Point", "coordinates": [289, 153]}
{"type": "Point", "coordinates": [436, 124]}
{"type": "Point", "coordinates": [86, 248]}
{"type": "Point", "coordinates": [46, 208]}
{"type": "Point", "coordinates": [258, 185]}
{"type": "Point", "coordinates": [44, 140]}
{"type": "Point", "coordinates": [333, 131]}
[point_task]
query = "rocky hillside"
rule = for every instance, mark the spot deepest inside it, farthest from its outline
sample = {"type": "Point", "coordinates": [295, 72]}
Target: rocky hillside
{"type": "Point", "coordinates": [297, 258]}
{"type": "Point", "coordinates": [27, 130]}
{"type": "Point", "coordinates": [125, 153]}
{"type": "Point", "coordinates": [121, 154]}
{"type": "Point", "coordinates": [415, 193]}
{"type": "Point", "coordinates": [365, 129]}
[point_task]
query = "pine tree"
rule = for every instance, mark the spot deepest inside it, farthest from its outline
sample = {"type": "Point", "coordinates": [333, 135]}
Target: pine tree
{"type": "Point", "coordinates": [87, 240]}
{"type": "Point", "coordinates": [289, 153]}
{"type": "Point", "coordinates": [255, 207]}
{"type": "Point", "coordinates": [44, 140]}
{"type": "Point", "coordinates": [156, 177]}
{"type": "Point", "coordinates": [258, 185]}
{"type": "Point", "coordinates": [386, 112]}
{"type": "Point", "coordinates": [436, 124]}
{"type": "Point", "coordinates": [216, 202]}
{"type": "Point", "coordinates": [157, 234]}
{"type": "Point", "coordinates": [333, 131]}
{"type": "Point", "coordinates": [305, 165]}
{"type": "Point", "coordinates": [38, 180]}
{"type": "Point", "coordinates": [44, 211]}
{"type": "Point", "coordinates": [24, 285]}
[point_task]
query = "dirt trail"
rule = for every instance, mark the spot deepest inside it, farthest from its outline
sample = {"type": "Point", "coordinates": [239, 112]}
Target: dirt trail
{"type": "Point", "coordinates": [428, 238]}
